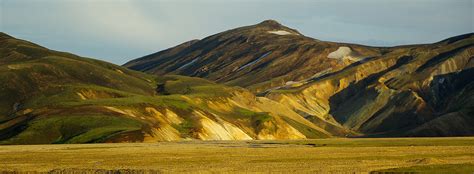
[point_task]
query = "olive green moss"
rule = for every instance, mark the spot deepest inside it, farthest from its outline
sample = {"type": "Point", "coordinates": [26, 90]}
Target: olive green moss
{"type": "Point", "coordinates": [73, 129]}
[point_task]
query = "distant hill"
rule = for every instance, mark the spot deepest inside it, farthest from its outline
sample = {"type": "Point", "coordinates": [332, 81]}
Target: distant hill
{"type": "Point", "coordinates": [413, 90]}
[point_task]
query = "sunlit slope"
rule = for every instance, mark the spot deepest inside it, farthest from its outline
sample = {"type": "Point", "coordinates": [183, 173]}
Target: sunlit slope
{"type": "Point", "coordinates": [55, 97]}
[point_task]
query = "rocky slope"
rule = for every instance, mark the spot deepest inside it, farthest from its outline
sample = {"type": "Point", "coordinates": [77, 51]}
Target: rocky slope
{"type": "Point", "coordinates": [414, 90]}
{"type": "Point", "coordinates": [56, 97]}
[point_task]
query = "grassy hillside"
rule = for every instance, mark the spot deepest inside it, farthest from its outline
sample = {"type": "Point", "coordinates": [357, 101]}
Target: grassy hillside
{"type": "Point", "coordinates": [56, 97]}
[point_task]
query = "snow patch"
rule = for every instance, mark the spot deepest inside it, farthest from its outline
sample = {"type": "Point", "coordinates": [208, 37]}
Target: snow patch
{"type": "Point", "coordinates": [255, 61]}
{"type": "Point", "coordinates": [281, 32]}
{"type": "Point", "coordinates": [340, 53]}
{"type": "Point", "coordinates": [345, 53]}
{"type": "Point", "coordinates": [189, 63]}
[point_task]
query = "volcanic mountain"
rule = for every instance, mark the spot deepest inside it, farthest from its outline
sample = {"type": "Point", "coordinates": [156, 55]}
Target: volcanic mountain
{"type": "Point", "coordinates": [258, 57]}
{"type": "Point", "coordinates": [413, 90]}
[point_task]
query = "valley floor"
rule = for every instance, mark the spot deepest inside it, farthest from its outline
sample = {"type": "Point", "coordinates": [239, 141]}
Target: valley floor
{"type": "Point", "coordinates": [311, 156]}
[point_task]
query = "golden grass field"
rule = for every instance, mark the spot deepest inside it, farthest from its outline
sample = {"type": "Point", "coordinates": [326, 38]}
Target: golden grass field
{"type": "Point", "coordinates": [286, 156]}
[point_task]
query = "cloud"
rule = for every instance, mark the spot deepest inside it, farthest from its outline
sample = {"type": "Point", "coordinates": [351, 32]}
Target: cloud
{"type": "Point", "coordinates": [111, 30]}
{"type": "Point", "coordinates": [118, 21]}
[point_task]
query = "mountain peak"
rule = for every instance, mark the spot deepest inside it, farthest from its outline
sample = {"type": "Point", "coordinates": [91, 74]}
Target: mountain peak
{"type": "Point", "coordinates": [270, 22]}
{"type": "Point", "coordinates": [274, 27]}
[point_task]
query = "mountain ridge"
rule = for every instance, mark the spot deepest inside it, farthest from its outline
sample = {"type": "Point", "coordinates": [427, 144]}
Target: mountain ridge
{"type": "Point", "coordinates": [252, 42]}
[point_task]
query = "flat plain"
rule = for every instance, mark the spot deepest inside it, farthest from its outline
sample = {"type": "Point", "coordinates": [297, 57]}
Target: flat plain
{"type": "Point", "coordinates": [333, 155]}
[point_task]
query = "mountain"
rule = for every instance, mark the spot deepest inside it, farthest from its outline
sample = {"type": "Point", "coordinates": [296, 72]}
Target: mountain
{"type": "Point", "coordinates": [257, 57]}
{"type": "Point", "coordinates": [412, 90]}
{"type": "Point", "coordinates": [57, 97]}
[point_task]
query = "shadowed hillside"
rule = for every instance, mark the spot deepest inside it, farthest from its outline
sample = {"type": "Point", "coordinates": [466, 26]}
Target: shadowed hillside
{"type": "Point", "coordinates": [258, 57]}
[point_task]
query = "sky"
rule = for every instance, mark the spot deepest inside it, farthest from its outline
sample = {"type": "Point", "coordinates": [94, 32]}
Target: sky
{"type": "Point", "coordinates": [118, 31]}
